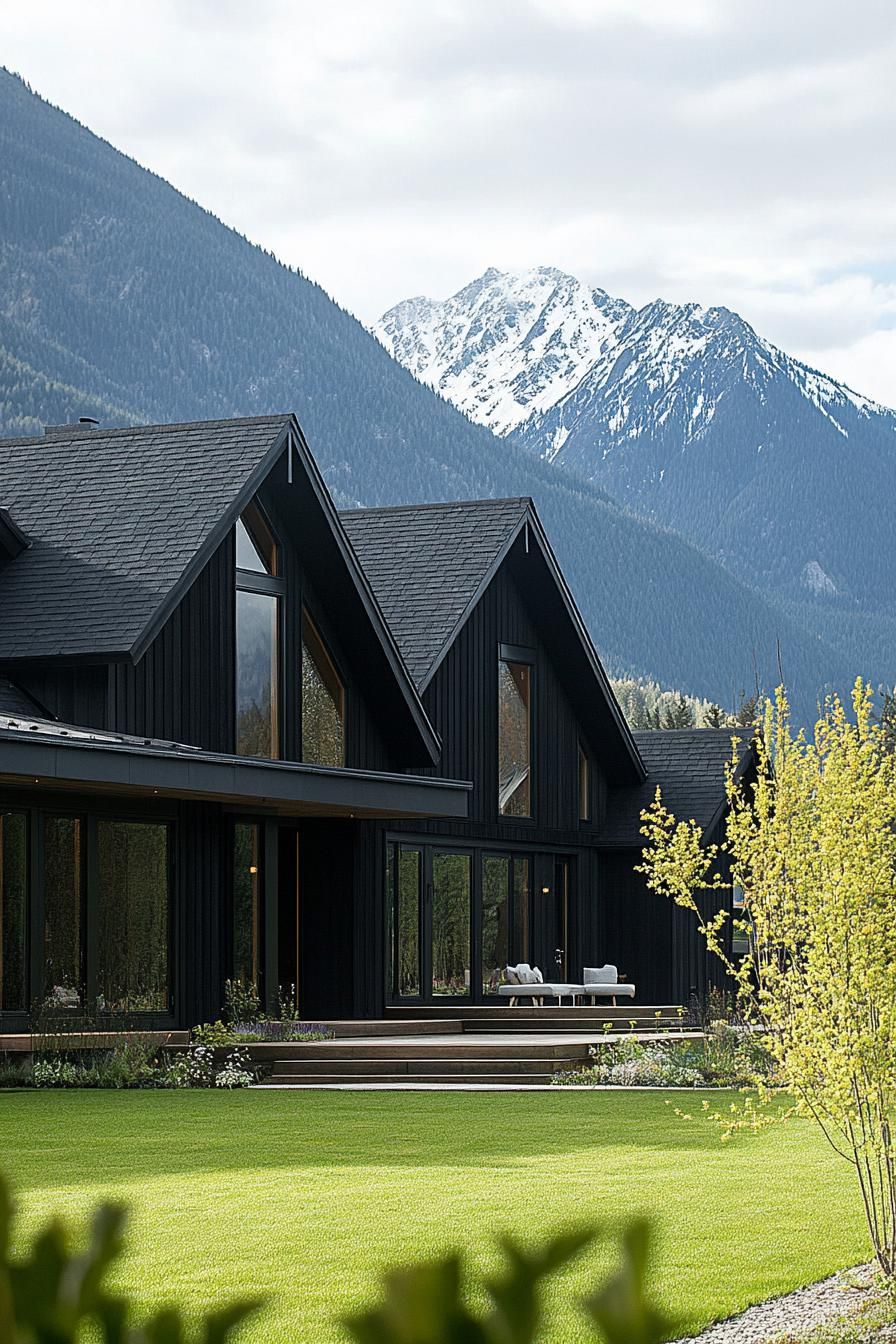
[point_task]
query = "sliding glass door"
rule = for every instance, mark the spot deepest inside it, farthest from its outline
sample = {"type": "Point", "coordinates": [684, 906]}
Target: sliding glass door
{"type": "Point", "coordinates": [505, 916]}
{"type": "Point", "coordinates": [450, 924]}
{"type": "Point", "coordinates": [454, 918]}
{"type": "Point", "coordinates": [429, 919]}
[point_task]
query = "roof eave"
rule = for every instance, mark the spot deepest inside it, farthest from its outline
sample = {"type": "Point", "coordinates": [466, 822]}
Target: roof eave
{"type": "Point", "coordinates": [156, 772]}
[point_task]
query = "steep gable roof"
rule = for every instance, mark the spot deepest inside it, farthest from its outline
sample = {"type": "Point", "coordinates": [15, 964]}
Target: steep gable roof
{"type": "Point", "coordinates": [688, 765]}
{"type": "Point", "coordinates": [117, 520]}
{"type": "Point", "coordinates": [122, 521]}
{"type": "Point", "coordinates": [429, 564]}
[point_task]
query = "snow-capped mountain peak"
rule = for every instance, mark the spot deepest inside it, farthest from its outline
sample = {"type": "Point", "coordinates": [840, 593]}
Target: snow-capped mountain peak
{"type": "Point", "coordinates": [682, 411]}
{"type": "Point", "coordinates": [507, 345]}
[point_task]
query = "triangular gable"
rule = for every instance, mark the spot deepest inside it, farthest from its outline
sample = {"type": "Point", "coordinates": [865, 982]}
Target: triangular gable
{"type": "Point", "coordinates": [430, 565]}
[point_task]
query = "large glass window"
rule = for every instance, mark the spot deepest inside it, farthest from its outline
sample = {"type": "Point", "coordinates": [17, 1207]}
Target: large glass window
{"type": "Point", "coordinates": [406, 927]}
{"type": "Point", "coordinates": [63, 911]}
{"type": "Point", "coordinates": [451, 924]}
{"type": "Point", "coordinates": [132, 943]}
{"type": "Point", "coordinates": [514, 738]}
{"type": "Point", "coordinates": [521, 918]}
{"type": "Point", "coordinates": [323, 701]}
{"type": "Point", "coordinates": [505, 916]}
{"type": "Point", "coordinates": [247, 903]}
{"type": "Point", "coordinates": [13, 912]}
{"type": "Point", "coordinates": [257, 666]}
{"type": "Point", "coordinates": [259, 590]}
{"type": "Point", "coordinates": [495, 921]}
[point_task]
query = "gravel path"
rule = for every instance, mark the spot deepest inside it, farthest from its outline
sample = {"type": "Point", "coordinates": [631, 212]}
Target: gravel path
{"type": "Point", "coordinates": [795, 1314]}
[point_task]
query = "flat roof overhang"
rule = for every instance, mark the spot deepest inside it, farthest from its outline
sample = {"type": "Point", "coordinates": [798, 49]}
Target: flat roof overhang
{"type": "Point", "coordinates": [285, 788]}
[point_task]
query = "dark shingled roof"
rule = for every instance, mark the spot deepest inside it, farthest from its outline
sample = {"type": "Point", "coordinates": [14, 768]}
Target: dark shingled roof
{"type": "Point", "coordinates": [689, 767]}
{"type": "Point", "coordinates": [116, 517]}
{"type": "Point", "coordinates": [15, 703]}
{"type": "Point", "coordinates": [427, 564]}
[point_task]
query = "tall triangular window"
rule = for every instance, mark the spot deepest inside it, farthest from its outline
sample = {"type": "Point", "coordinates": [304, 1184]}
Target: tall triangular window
{"type": "Point", "coordinates": [256, 549]}
{"type": "Point", "coordinates": [259, 590]}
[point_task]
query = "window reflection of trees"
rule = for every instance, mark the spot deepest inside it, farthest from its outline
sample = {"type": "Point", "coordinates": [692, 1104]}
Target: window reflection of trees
{"type": "Point", "coordinates": [514, 714]}
{"type": "Point", "coordinates": [451, 924]}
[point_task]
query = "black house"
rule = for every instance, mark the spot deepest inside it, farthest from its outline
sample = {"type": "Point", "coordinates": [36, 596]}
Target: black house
{"type": "Point", "coordinates": [373, 756]}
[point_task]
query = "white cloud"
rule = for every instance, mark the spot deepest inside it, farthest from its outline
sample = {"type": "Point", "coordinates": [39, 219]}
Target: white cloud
{"type": "Point", "coordinates": [731, 154]}
{"type": "Point", "coordinates": [867, 364]}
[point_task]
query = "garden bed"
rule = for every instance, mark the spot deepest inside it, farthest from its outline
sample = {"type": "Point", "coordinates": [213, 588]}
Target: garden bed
{"type": "Point", "coordinates": [725, 1056]}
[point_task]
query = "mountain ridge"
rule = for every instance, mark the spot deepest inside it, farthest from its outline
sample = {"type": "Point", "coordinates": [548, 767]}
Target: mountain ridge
{"type": "Point", "coordinates": [683, 413]}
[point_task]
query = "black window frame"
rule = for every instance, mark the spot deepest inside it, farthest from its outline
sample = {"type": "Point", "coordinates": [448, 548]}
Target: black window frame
{"type": "Point", "coordinates": [257, 823]}
{"type": "Point", "coordinates": [586, 794]}
{"type": "Point", "coordinates": [307, 613]}
{"type": "Point", "coordinates": [92, 910]}
{"type": "Point", "coordinates": [268, 585]}
{"type": "Point", "coordinates": [517, 653]}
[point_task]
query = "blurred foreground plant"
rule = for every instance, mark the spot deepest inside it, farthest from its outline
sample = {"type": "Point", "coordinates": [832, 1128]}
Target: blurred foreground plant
{"type": "Point", "coordinates": [427, 1303]}
{"type": "Point", "coordinates": [51, 1294]}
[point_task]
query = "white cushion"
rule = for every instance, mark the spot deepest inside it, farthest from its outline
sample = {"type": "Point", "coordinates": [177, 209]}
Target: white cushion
{"type": "Point", "coordinates": [511, 976]}
{"type": "Point", "coordinates": [604, 991]}
{"type": "Point", "coordinates": [601, 975]}
{"type": "Point", "coordinates": [539, 978]}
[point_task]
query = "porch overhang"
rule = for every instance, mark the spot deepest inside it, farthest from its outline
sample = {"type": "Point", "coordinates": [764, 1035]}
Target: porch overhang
{"type": "Point", "coordinates": [106, 765]}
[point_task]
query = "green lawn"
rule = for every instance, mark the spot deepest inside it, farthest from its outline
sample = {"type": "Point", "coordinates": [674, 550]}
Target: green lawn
{"type": "Point", "coordinates": [303, 1196]}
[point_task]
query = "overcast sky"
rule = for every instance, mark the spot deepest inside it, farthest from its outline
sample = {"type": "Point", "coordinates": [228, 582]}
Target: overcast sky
{"type": "Point", "coordinates": [737, 152]}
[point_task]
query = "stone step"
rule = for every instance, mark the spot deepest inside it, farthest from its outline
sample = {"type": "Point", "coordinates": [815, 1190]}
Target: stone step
{"type": "Point", "coordinates": [295, 1068]}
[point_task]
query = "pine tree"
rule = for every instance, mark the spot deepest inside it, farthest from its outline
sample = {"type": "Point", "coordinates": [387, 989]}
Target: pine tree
{"type": "Point", "coordinates": [714, 716]}
{"type": "Point", "coordinates": [678, 713]}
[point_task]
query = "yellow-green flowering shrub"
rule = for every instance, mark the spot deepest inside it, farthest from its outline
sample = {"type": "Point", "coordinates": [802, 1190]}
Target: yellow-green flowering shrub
{"type": "Point", "coordinates": [812, 844]}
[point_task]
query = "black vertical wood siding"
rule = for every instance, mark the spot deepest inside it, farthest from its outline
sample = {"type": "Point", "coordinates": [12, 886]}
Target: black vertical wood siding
{"type": "Point", "coordinates": [200, 912]}
{"type": "Point", "coordinates": [462, 703]}
{"type": "Point", "coordinates": [182, 689]}
{"type": "Point", "coordinates": [654, 942]}
{"type": "Point", "coordinates": [74, 694]}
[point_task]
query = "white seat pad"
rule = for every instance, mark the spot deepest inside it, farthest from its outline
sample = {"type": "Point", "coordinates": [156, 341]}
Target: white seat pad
{"type": "Point", "coordinates": [550, 989]}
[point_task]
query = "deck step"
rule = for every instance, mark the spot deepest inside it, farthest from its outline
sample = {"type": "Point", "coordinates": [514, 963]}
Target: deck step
{"type": "Point", "coordinates": [407, 1080]}
{"type": "Point", "coordinates": [510, 1023]}
{"type": "Point", "coordinates": [410, 1026]}
{"type": "Point", "coordinates": [591, 1013]}
{"type": "Point", "coordinates": [295, 1068]}
{"type": "Point", "coordinates": [465, 1047]}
